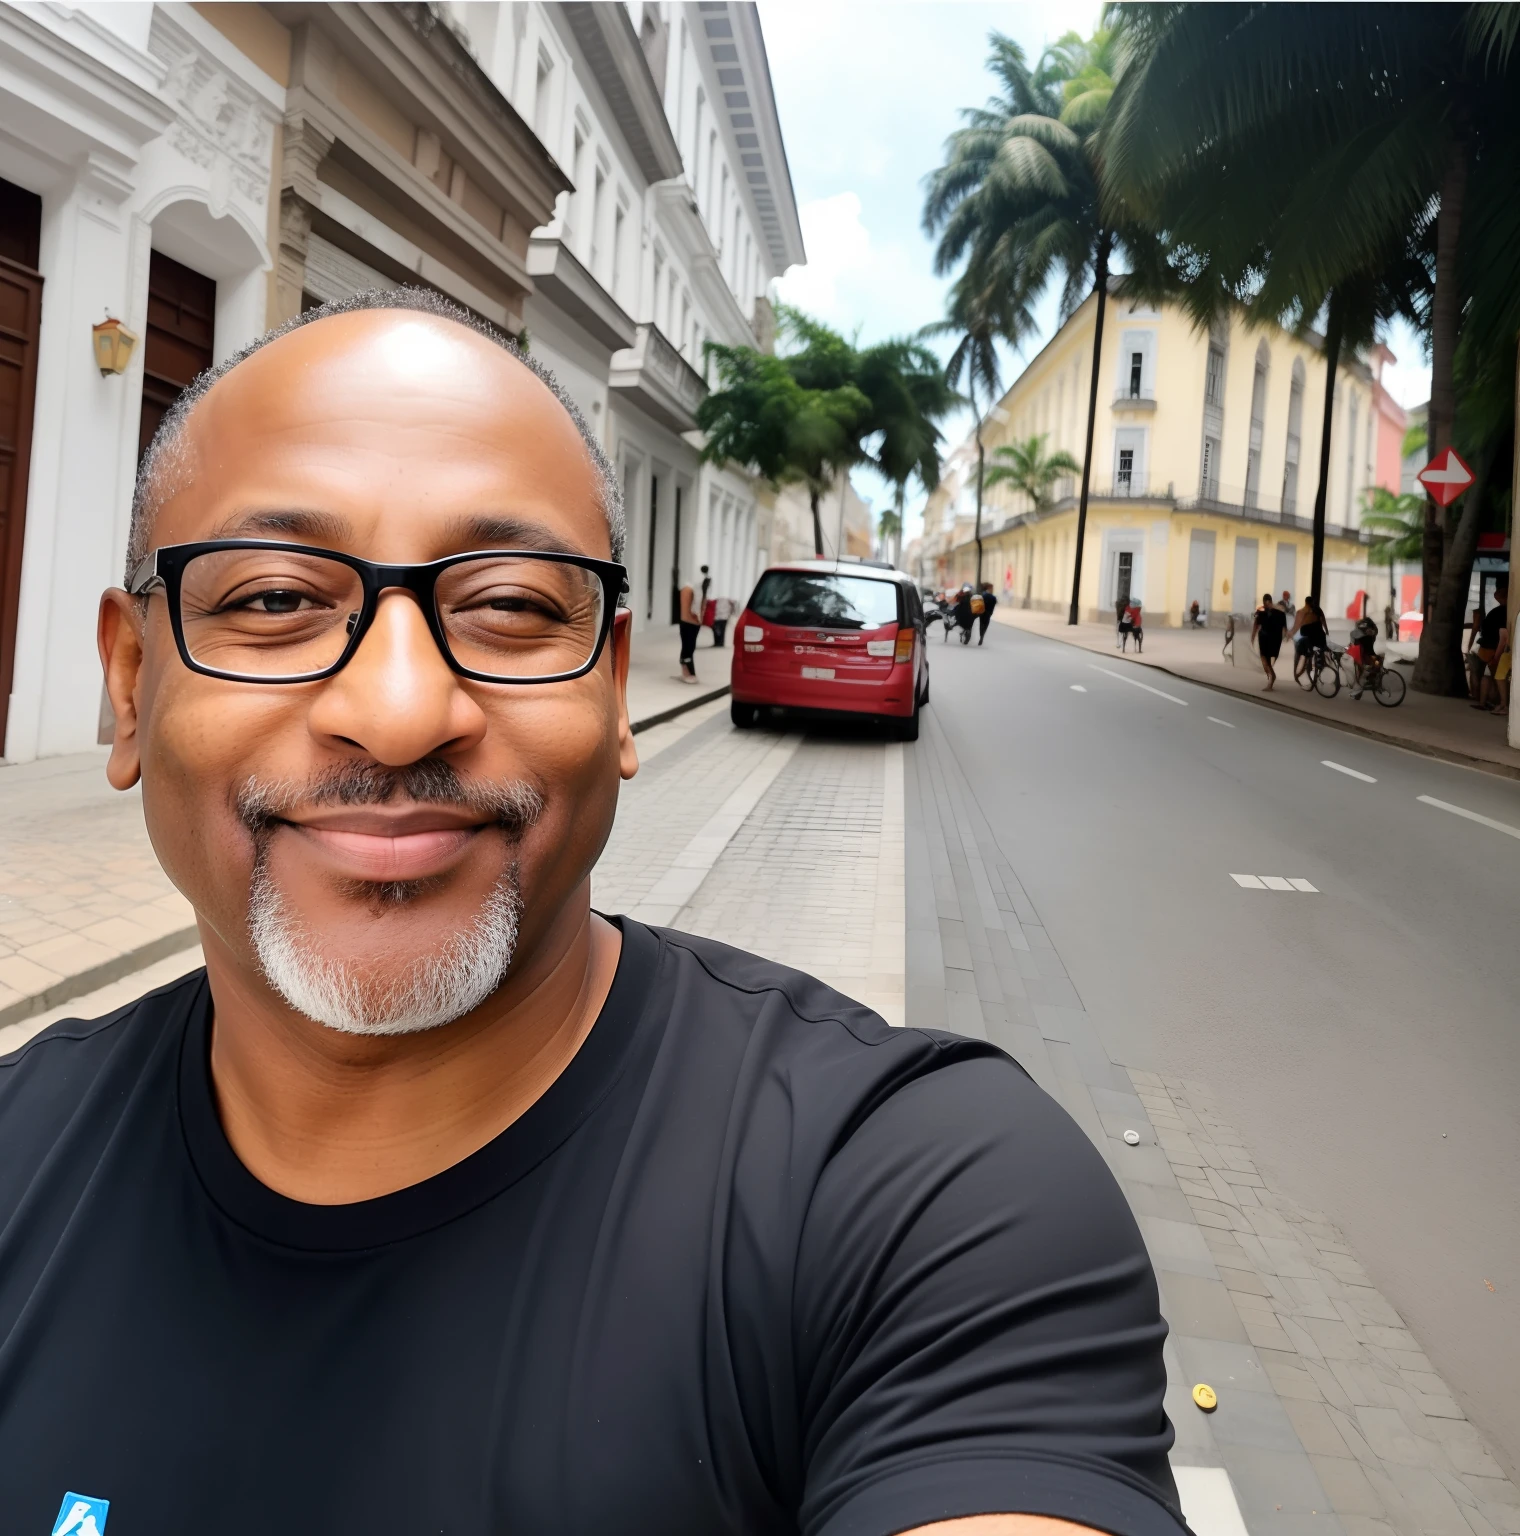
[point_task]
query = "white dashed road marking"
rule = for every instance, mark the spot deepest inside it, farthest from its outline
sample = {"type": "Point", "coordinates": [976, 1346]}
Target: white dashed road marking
{"type": "Point", "coordinates": [1217, 721]}
{"type": "Point", "coordinates": [1457, 810]}
{"type": "Point", "coordinates": [1134, 683]}
{"type": "Point", "coordinates": [1078, 688]}
{"type": "Point", "coordinates": [1351, 773]}
{"type": "Point", "coordinates": [1274, 883]}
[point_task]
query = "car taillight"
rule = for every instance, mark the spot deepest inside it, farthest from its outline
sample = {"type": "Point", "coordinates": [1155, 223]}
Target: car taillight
{"type": "Point", "coordinates": [878, 647]}
{"type": "Point", "coordinates": [904, 650]}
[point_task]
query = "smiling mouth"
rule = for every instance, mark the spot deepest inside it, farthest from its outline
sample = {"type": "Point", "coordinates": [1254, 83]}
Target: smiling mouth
{"type": "Point", "coordinates": [377, 857]}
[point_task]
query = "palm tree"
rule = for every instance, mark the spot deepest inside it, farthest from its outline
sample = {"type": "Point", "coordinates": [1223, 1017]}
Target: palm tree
{"type": "Point", "coordinates": [1397, 524]}
{"type": "Point", "coordinates": [889, 529]}
{"type": "Point", "coordinates": [1018, 197]}
{"type": "Point", "coordinates": [762, 416]}
{"type": "Point", "coordinates": [1028, 468]}
{"type": "Point", "coordinates": [1304, 154]}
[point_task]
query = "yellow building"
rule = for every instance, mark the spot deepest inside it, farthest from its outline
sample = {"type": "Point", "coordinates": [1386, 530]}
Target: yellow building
{"type": "Point", "coordinates": [1205, 458]}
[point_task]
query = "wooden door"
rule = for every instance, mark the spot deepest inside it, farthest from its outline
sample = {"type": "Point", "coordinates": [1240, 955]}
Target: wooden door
{"type": "Point", "coordinates": [181, 326]}
{"type": "Point", "coordinates": [20, 322]}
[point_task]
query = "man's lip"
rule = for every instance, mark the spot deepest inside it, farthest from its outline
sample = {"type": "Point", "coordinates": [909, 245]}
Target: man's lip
{"type": "Point", "coordinates": [382, 856]}
{"type": "Point", "coordinates": [388, 820]}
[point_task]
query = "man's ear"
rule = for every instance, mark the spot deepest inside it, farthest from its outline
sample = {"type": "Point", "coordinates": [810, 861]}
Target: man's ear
{"type": "Point", "coordinates": [622, 648]}
{"type": "Point", "coordinates": [118, 633]}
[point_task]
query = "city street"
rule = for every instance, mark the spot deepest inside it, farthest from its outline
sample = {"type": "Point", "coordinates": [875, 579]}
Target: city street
{"type": "Point", "coordinates": [1359, 1037]}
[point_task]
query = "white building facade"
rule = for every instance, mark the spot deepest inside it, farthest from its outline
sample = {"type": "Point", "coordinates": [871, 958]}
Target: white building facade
{"type": "Point", "coordinates": [680, 215]}
{"type": "Point", "coordinates": [125, 130]}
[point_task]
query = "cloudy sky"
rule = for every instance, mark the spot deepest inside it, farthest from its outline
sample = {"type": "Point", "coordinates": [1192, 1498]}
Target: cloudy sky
{"type": "Point", "coordinates": [868, 90]}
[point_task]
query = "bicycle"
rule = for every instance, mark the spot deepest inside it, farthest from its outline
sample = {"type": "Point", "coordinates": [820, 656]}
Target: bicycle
{"type": "Point", "coordinates": [1387, 685]}
{"type": "Point", "coordinates": [1322, 674]}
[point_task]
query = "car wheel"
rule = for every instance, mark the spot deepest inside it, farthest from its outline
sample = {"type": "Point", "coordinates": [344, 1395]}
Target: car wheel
{"type": "Point", "coordinates": [743, 715]}
{"type": "Point", "coordinates": [907, 730]}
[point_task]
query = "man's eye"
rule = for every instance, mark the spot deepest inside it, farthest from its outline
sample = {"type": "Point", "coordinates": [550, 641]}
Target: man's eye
{"type": "Point", "coordinates": [278, 601]}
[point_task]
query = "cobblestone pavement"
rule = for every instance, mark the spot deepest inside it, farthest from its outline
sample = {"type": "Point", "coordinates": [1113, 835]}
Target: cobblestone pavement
{"type": "Point", "coordinates": [1390, 1447]}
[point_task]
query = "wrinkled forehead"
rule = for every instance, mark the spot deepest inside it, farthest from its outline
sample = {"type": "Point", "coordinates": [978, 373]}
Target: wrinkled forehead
{"type": "Point", "coordinates": [394, 426]}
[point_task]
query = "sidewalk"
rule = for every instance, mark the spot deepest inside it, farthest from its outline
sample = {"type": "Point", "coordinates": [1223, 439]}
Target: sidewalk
{"type": "Point", "coordinates": [83, 901]}
{"type": "Point", "coordinates": [1438, 727]}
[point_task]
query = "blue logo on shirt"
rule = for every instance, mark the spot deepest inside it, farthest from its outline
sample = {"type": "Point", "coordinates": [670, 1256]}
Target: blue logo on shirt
{"type": "Point", "coordinates": [82, 1516]}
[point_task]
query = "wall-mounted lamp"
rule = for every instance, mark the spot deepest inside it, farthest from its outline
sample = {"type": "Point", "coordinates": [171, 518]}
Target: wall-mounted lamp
{"type": "Point", "coordinates": [113, 346]}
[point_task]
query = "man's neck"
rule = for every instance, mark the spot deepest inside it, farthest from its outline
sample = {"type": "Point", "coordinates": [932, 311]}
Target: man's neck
{"type": "Point", "coordinates": [328, 1118]}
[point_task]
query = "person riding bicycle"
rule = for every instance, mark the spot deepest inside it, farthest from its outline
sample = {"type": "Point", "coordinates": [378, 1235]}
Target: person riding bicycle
{"type": "Point", "coordinates": [1309, 634]}
{"type": "Point", "coordinates": [1363, 651]}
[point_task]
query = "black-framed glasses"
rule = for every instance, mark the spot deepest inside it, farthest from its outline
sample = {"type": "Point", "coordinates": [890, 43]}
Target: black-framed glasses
{"type": "Point", "coordinates": [263, 611]}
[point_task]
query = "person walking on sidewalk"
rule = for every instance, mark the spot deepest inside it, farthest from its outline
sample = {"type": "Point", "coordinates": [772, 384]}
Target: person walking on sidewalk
{"type": "Point", "coordinates": [984, 618]}
{"type": "Point", "coordinates": [412, 1186]}
{"type": "Point", "coordinates": [1122, 624]}
{"type": "Point", "coordinates": [1267, 634]}
{"type": "Point", "coordinates": [1493, 641]}
{"type": "Point", "coordinates": [966, 606]}
{"type": "Point", "coordinates": [1136, 624]}
{"type": "Point", "coordinates": [690, 626]}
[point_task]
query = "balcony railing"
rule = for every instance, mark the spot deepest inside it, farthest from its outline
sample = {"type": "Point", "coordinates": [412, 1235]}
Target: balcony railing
{"type": "Point", "coordinates": [655, 377]}
{"type": "Point", "coordinates": [1260, 507]}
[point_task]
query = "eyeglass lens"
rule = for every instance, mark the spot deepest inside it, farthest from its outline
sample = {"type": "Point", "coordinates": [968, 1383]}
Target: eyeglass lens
{"type": "Point", "coordinates": [280, 613]}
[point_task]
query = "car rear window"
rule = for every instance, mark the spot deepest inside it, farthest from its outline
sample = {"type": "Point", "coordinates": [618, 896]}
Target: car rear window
{"type": "Point", "coordinates": [811, 600]}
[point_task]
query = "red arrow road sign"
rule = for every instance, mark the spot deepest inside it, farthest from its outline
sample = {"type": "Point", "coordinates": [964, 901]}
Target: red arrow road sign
{"type": "Point", "coordinates": [1446, 477]}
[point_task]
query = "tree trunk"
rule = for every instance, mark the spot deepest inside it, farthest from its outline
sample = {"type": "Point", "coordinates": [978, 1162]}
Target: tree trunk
{"type": "Point", "coordinates": [980, 463]}
{"type": "Point", "coordinates": [1444, 618]}
{"type": "Point", "coordinates": [1100, 273]}
{"type": "Point", "coordinates": [817, 523]}
{"type": "Point", "coordinates": [1440, 648]}
{"type": "Point", "coordinates": [1335, 327]}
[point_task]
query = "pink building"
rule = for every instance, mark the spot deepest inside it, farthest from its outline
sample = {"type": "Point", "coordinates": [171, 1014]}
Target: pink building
{"type": "Point", "coordinates": [1391, 424]}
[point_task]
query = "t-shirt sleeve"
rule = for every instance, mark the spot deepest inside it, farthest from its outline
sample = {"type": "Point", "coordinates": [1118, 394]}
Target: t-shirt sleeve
{"type": "Point", "coordinates": [978, 1325]}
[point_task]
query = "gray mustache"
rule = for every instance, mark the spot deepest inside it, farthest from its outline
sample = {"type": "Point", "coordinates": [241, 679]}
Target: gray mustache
{"type": "Point", "coordinates": [513, 806]}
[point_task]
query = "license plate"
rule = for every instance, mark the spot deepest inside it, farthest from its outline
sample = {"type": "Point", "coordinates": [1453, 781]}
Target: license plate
{"type": "Point", "coordinates": [823, 674]}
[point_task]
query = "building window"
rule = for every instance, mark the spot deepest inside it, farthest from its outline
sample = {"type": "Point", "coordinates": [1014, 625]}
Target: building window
{"type": "Point", "coordinates": [659, 269]}
{"type": "Point", "coordinates": [1136, 373]}
{"type": "Point", "coordinates": [1124, 478]}
{"type": "Point", "coordinates": [1295, 431]}
{"type": "Point", "coordinates": [597, 193]}
{"type": "Point", "coordinates": [1258, 414]}
{"type": "Point", "coordinates": [1209, 489]}
{"type": "Point", "coordinates": [541, 94]}
{"type": "Point", "coordinates": [1213, 379]}
{"type": "Point", "coordinates": [1351, 436]}
{"type": "Point", "coordinates": [619, 219]}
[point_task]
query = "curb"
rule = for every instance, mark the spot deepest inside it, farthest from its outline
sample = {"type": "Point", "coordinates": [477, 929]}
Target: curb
{"type": "Point", "coordinates": [102, 975]}
{"type": "Point", "coordinates": [679, 709]}
{"type": "Point", "coordinates": [1351, 727]}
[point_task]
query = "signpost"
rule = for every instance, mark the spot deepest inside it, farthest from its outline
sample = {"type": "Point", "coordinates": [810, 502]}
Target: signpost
{"type": "Point", "coordinates": [1446, 477]}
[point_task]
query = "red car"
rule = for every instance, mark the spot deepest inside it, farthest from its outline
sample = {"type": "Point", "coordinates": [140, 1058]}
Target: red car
{"type": "Point", "coordinates": [832, 637]}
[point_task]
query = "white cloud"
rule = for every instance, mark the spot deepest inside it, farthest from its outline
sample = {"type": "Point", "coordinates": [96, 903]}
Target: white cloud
{"type": "Point", "coordinates": [837, 243]}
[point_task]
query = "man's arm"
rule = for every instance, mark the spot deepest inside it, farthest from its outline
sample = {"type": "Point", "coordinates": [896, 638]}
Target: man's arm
{"type": "Point", "coordinates": [977, 1325]}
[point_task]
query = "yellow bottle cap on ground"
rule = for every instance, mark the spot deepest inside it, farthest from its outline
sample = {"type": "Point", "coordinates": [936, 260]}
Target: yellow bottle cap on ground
{"type": "Point", "coordinates": [1205, 1396]}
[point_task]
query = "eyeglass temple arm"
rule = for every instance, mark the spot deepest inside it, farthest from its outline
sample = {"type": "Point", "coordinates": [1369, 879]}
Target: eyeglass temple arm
{"type": "Point", "coordinates": [144, 577]}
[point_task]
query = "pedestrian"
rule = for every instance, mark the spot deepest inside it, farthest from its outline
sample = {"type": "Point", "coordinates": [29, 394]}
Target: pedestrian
{"type": "Point", "coordinates": [1266, 634]}
{"type": "Point", "coordinates": [1388, 625]}
{"type": "Point", "coordinates": [1285, 603]}
{"type": "Point", "coordinates": [1309, 633]}
{"type": "Point", "coordinates": [1137, 624]}
{"type": "Point", "coordinates": [690, 626]}
{"type": "Point", "coordinates": [723, 611]}
{"type": "Point", "coordinates": [1195, 615]}
{"type": "Point", "coordinates": [706, 584]}
{"type": "Point", "coordinates": [1474, 662]}
{"type": "Point", "coordinates": [1228, 648]}
{"type": "Point", "coordinates": [413, 1187]}
{"type": "Point", "coordinates": [965, 611]}
{"type": "Point", "coordinates": [1493, 640]}
{"type": "Point", "coordinates": [984, 618]}
{"type": "Point", "coordinates": [1121, 623]}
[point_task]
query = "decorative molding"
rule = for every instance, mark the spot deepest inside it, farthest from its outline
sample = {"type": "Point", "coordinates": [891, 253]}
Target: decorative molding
{"type": "Point", "coordinates": [221, 124]}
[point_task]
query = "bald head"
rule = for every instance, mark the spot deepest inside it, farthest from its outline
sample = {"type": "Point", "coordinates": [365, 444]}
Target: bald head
{"type": "Point", "coordinates": [182, 450]}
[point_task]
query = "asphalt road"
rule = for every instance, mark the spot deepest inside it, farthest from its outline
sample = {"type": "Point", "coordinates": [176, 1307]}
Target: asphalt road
{"type": "Point", "coordinates": [1365, 1038]}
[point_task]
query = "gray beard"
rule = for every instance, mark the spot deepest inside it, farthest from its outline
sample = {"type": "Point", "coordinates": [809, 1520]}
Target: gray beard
{"type": "Point", "coordinates": [431, 991]}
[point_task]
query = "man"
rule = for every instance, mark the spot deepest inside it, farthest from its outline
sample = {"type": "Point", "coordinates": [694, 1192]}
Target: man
{"type": "Point", "coordinates": [690, 627]}
{"type": "Point", "coordinates": [1267, 634]}
{"type": "Point", "coordinates": [1310, 634]}
{"type": "Point", "coordinates": [966, 606]}
{"type": "Point", "coordinates": [1136, 624]}
{"type": "Point", "coordinates": [1470, 657]}
{"type": "Point", "coordinates": [984, 618]}
{"type": "Point", "coordinates": [1121, 623]}
{"type": "Point", "coordinates": [1492, 637]}
{"type": "Point", "coordinates": [438, 1202]}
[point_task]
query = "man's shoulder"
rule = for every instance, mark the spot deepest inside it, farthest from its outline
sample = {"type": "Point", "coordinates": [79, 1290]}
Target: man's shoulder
{"type": "Point", "coordinates": [75, 1060]}
{"type": "Point", "coordinates": [792, 1018]}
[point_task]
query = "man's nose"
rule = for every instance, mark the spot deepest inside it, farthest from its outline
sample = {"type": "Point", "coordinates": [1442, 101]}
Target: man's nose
{"type": "Point", "coordinates": [398, 700]}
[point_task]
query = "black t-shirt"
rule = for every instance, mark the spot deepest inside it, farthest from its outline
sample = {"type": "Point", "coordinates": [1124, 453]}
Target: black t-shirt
{"type": "Point", "coordinates": [755, 1263]}
{"type": "Point", "coordinates": [1493, 621]}
{"type": "Point", "coordinates": [1271, 623]}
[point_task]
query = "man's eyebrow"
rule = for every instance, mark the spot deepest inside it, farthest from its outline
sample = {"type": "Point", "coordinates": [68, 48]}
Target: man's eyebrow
{"type": "Point", "coordinates": [288, 522]}
{"type": "Point", "coordinates": [488, 531]}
